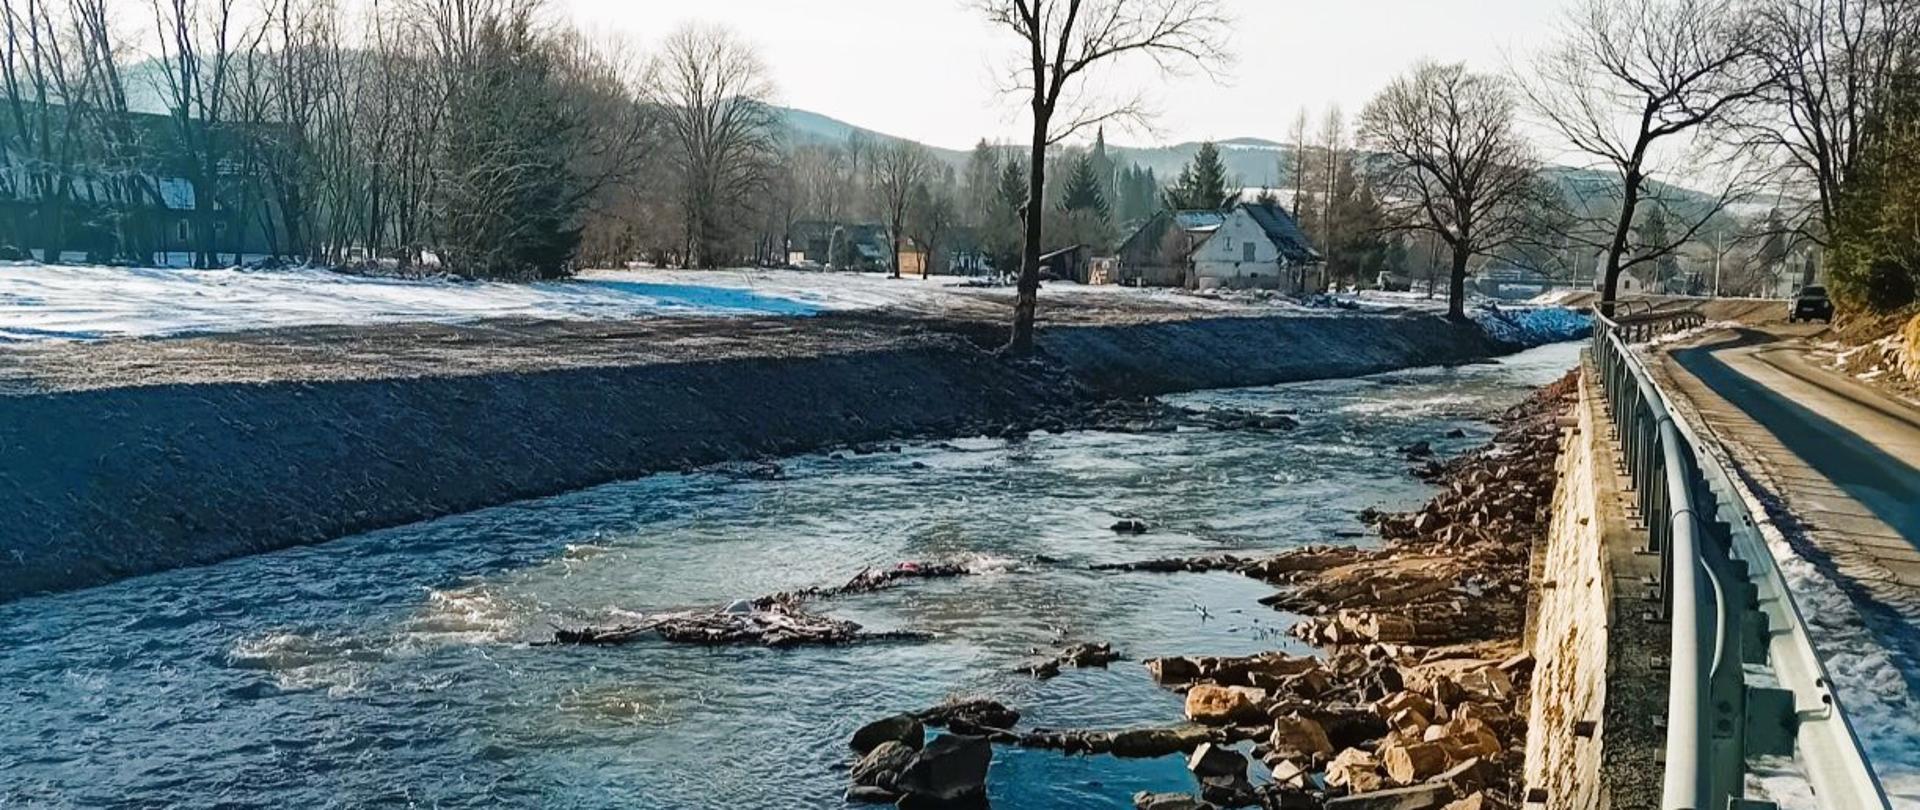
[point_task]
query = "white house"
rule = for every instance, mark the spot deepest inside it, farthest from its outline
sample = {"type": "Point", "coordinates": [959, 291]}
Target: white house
{"type": "Point", "coordinates": [1257, 247]}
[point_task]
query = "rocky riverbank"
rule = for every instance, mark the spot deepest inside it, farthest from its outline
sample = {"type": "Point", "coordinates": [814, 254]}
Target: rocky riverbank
{"type": "Point", "coordinates": [130, 457]}
{"type": "Point", "coordinates": [1418, 702]}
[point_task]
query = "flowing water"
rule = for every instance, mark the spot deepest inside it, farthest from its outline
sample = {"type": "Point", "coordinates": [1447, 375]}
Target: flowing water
{"type": "Point", "coordinates": [393, 668]}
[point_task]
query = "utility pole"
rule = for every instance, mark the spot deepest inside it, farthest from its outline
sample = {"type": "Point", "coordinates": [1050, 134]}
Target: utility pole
{"type": "Point", "coordinates": [1718, 255]}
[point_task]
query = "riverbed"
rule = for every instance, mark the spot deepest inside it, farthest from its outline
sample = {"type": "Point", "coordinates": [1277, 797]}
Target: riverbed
{"type": "Point", "coordinates": [394, 668]}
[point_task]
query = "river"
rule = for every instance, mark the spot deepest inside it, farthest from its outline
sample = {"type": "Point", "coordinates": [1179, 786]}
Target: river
{"type": "Point", "coordinates": [393, 668]}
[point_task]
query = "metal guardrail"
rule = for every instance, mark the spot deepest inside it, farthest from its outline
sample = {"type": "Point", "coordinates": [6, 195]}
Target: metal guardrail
{"type": "Point", "coordinates": [1717, 716]}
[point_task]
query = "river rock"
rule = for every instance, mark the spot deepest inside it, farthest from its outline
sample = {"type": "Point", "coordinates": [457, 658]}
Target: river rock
{"type": "Point", "coordinates": [1469, 776]}
{"type": "Point", "coordinates": [1489, 683]}
{"type": "Point", "coordinates": [950, 772]}
{"type": "Point", "coordinates": [1224, 705]}
{"type": "Point", "coordinates": [1407, 763]}
{"type": "Point", "coordinates": [1222, 773]}
{"type": "Point", "coordinates": [1129, 526]}
{"type": "Point", "coordinates": [905, 729]}
{"type": "Point", "coordinates": [882, 766]}
{"type": "Point", "coordinates": [867, 794]}
{"type": "Point", "coordinates": [1145, 743]}
{"type": "Point", "coordinates": [1299, 737]}
{"type": "Point", "coordinates": [972, 716]}
{"type": "Point", "coordinates": [1173, 670]}
{"type": "Point", "coordinates": [1404, 700]}
{"type": "Point", "coordinates": [1464, 738]}
{"type": "Point", "coordinates": [1413, 797]}
{"type": "Point", "coordinates": [1356, 770]}
{"type": "Point", "coordinates": [1169, 801]}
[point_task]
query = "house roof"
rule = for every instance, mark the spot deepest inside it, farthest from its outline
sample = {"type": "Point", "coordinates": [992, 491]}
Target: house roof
{"type": "Point", "coordinates": [1280, 228]}
{"type": "Point", "coordinates": [1061, 252]}
{"type": "Point", "coordinates": [1199, 220]}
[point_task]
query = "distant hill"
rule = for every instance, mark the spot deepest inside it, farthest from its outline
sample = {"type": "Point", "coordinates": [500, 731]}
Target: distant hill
{"type": "Point", "coordinates": [806, 128]}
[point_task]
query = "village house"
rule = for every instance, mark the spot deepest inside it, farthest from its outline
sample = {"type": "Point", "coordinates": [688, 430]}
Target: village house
{"type": "Point", "coordinates": [1157, 253]}
{"type": "Point", "coordinates": [841, 246]}
{"type": "Point", "coordinates": [1257, 246]}
{"type": "Point", "coordinates": [1067, 264]}
{"type": "Point", "coordinates": [138, 208]}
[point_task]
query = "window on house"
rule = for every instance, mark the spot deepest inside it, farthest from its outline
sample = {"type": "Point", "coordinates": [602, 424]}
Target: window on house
{"type": "Point", "coordinates": [182, 230]}
{"type": "Point", "coordinates": [1246, 252]}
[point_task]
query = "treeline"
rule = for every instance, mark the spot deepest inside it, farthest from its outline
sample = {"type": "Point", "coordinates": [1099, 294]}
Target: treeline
{"type": "Point", "coordinates": [973, 208]}
{"type": "Point", "coordinates": [477, 136]}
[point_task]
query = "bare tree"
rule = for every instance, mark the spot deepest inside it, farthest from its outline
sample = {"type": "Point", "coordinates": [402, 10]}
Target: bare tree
{"type": "Point", "coordinates": [199, 42]}
{"type": "Point", "coordinates": [1333, 153]}
{"type": "Point", "coordinates": [934, 215]}
{"type": "Point", "coordinates": [713, 96]}
{"type": "Point", "coordinates": [1825, 69]}
{"type": "Point", "coordinates": [1066, 42]}
{"type": "Point", "coordinates": [1628, 77]}
{"type": "Point", "coordinates": [899, 167]}
{"type": "Point", "coordinates": [1297, 161]}
{"type": "Point", "coordinates": [1447, 162]}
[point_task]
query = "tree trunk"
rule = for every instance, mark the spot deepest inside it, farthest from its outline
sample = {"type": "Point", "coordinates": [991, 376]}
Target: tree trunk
{"type": "Point", "coordinates": [1617, 249]}
{"type": "Point", "coordinates": [1027, 293]}
{"type": "Point", "coordinates": [1457, 286]}
{"type": "Point", "coordinates": [893, 238]}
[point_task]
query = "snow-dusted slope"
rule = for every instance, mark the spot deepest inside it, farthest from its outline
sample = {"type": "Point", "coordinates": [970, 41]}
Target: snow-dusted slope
{"type": "Point", "coordinates": [93, 302]}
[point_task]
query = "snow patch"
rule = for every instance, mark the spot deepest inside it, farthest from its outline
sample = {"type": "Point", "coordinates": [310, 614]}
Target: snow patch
{"type": "Point", "coordinates": [1532, 326]}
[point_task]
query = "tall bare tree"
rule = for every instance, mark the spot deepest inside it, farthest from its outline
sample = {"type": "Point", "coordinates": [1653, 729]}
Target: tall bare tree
{"type": "Point", "coordinates": [934, 215]}
{"type": "Point", "coordinates": [1297, 160]}
{"type": "Point", "coordinates": [1448, 162]}
{"type": "Point", "coordinates": [200, 41]}
{"type": "Point", "coordinates": [713, 94]}
{"type": "Point", "coordinates": [1826, 69]}
{"type": "Point", "coordinates": [1066, 42]}
{"type": "Point", "coordinates": [1632, 76]}
{"type": "Point", "coordinates": [899, 167]}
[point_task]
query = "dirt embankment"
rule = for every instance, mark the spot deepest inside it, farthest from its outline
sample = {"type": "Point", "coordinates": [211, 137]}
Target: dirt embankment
{"type": "Point", "coordinates": [130, 457]}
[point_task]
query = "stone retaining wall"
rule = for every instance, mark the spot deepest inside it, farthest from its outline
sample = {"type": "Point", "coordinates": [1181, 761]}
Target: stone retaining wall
{"type": "Point", "coordinates": [1591, 740]}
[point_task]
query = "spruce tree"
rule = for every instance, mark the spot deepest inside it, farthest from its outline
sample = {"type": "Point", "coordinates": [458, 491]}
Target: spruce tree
{"type": "Point", "coordinates": [1202, 183]}
{"type": "Point", "coordinates": [1083, 192]}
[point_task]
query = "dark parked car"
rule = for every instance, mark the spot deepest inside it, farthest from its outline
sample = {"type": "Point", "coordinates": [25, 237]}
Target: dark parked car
{"type": "Point", "coordinates": [1809, 304]}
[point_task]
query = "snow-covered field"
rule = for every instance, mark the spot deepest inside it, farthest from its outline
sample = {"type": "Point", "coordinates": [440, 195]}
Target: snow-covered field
{"type": "Point", "coordinates": [81, 302]}
{"type": "Point", "coordinates": [92, 302]}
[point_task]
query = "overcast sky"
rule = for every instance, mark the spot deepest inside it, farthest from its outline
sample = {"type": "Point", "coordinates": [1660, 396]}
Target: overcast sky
{"type": "Point", "coordinates": [925, 69]}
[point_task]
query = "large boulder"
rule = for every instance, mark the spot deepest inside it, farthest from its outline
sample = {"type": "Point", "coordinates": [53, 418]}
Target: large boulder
{"type": "Point", "coordinates": [1224, 705]}
{"type": "Point", "coordinates": [951, 771]}
{"type": "Point", "coordinates": [901, 728]}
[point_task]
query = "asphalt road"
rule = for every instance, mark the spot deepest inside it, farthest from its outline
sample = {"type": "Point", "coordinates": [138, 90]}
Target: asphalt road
{"type": "Point", "coordinates": [1846, 456]}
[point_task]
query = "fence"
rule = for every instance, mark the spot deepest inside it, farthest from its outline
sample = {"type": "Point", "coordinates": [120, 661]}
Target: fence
{"type": "Point", "coordinates": [1726, 604]}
